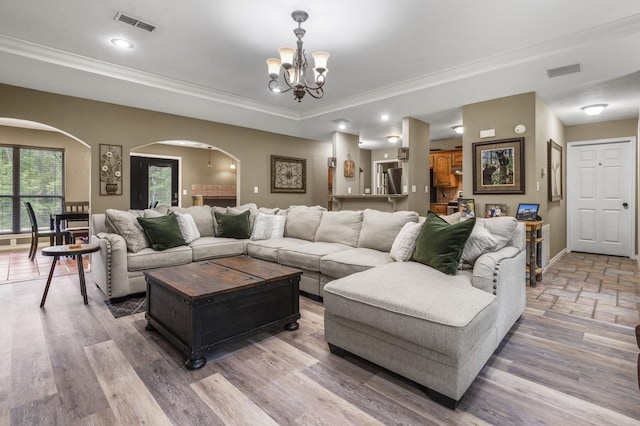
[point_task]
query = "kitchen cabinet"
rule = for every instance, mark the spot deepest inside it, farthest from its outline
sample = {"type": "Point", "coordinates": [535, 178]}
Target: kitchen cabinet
{"type": "Point", "coordinates": [438, 208]}
{"type": "Point", "coordinates": [442, 175]}
{"type": "Point", "coordinates": [431, 160]}
{"type": "Point", "coordinates": [456, 158]}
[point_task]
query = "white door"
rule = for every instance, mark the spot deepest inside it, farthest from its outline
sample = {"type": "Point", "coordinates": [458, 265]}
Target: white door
{"type": "Point", "coordinates": [600, 197]}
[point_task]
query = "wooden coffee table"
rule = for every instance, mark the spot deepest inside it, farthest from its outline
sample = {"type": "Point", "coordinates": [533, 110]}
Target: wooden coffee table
{"type": "Point", "coordinates": [203, 305]}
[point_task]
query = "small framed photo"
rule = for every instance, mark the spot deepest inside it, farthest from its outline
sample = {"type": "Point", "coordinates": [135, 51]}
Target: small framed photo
{"type": "Point", "coordinates": [495, 210]}
{"type": "Point", "coordinates": [467, 208]}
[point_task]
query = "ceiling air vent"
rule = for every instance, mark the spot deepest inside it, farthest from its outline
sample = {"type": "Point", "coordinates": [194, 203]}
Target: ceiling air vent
{"type": "Point", "coordinates": [134, 22]}
{"type": "Point", "coordinates": [569, 69]}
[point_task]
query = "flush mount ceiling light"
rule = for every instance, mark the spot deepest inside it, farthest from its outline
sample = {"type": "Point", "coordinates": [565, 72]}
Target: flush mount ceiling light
{"type": "Point", "coordinates": [458, 129]}
{"type": "Point", "coordinates": [393, 139]}
{"type": "Point", "coordinates": [384, 117]}
{"type": "Point", "coordinates": [122, 43]}
{"type": "Point", "coordinates": [293, 63]}
{"type": "Point", "coordinates": [594, 109]}
{"type": "Point", "coordinates": [341, 122]}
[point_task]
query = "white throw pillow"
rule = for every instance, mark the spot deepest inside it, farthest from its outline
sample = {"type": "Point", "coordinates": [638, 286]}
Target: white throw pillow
{"type": "Point", "coordinates": [480, 241]}
{"type": "Point", "coordinates": [405, 242]}
{"type": "Point", "coordinates": [188, 227]}
{"type": "Point", "coordinates": [268, 226]}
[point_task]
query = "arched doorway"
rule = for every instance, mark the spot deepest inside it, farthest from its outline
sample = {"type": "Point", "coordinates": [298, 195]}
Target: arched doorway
{"type": "Point", "coordinates": [205, 173]}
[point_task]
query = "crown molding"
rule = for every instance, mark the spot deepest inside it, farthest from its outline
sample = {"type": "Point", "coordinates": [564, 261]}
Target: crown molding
{"type": "Point", "coordinates": [620, 28]}
{"type": "Point", "coordinates": [82, 63]}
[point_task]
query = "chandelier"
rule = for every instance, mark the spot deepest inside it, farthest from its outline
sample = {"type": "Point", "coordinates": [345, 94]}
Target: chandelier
{"type": "Point", "coordinates": [293, 62]}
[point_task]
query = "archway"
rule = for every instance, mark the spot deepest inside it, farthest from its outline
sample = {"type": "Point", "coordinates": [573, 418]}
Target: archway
{"type": "Point", "coordinates": [207, 174]}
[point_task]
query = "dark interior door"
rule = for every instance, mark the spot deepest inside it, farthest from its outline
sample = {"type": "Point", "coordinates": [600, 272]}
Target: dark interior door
{"type": "Point", "coordinates": [153, 180]}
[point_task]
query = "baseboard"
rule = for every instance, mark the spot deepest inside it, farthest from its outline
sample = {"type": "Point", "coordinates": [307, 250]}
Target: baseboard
{"type": "Point", "coordinates": [555, 258]}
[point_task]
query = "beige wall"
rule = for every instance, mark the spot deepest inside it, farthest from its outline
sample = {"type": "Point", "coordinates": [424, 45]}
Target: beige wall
{"type": "Point", "coordinates": [446, 144]}
{"type": "Point", "coordinates": [344, 145]}
{"type": "Point", "coordinates": [503, 115]}
{"type": "Point", "coordinates": [601, 130]}
{"type": "Point", "coordinates": [77, 157]}
{"type": "Point", "coordinates": [416, 136]}
{"type": "Point", "coordinates": [101, 123]}
{"type": "Point", "coordinates": [194, 167]}
{"type": "Point", "coordinates": [549, 127]}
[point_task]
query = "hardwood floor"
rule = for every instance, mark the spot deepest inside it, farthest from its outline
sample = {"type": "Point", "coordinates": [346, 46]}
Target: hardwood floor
{"type": "Point", "coordinates": [71, 364]}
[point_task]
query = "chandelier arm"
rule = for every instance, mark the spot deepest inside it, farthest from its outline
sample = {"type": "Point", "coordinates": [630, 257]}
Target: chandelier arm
{"type": "Point", "coordinates": [318, 90]}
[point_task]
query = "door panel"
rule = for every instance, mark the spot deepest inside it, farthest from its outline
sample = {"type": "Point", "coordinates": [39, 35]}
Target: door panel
{"type": "Point", "coordinates": [153, 180]}
{"type": "Point", "coordinates": [598, 179]}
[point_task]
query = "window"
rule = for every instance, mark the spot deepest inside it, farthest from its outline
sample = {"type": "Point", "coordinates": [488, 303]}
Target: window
{"type": "Point", "coordinates": [29, 174]}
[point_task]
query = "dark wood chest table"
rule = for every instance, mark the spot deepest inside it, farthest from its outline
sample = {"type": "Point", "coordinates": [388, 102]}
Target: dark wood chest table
{"type": "Point", "coordinates": [203, 305]}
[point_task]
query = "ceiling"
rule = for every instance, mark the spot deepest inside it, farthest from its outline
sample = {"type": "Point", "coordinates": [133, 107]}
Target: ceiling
{"type": "Point", "coordinates": [418, 58]}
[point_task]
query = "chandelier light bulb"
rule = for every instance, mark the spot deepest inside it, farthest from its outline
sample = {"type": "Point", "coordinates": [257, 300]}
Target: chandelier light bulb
{"type": "Point", "coordinates": [594, 109]}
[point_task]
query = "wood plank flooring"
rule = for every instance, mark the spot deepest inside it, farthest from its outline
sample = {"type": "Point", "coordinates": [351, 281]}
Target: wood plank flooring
{"type": "Point", "coordinates": [71, 364]}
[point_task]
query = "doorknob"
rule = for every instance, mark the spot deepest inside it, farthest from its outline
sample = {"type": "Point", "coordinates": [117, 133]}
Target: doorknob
{"type": "Point", "coordinates": [625, 205]}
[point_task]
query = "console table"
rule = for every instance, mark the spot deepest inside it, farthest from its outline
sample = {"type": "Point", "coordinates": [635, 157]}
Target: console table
{"type": "Point", "coordinates": [534, 250]}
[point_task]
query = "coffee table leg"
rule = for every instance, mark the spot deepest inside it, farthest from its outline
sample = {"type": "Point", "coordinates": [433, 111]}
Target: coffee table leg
{"type": "Point", "coordinates": [292, 326]}
{"type": "Point", "coordinates": [83, 286]}
{"type": "Point", "coordinates": [195, 363]}
{"type": "Point", "coordinates": [46, 288]}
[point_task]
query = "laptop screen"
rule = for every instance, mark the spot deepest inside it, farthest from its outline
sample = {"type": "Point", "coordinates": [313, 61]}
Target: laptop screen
{"type": "Point", "coordinates": [527, 211]}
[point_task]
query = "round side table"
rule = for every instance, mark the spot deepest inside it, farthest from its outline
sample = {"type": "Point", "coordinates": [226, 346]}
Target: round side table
{"type": "Point", "coordinates": [76, 250]}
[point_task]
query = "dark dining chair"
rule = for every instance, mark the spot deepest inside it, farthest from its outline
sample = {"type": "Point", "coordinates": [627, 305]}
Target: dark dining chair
{"type": "Point", "coordinates": [37, 233]}
{"type": "Point", "coordinates": [74, 232]}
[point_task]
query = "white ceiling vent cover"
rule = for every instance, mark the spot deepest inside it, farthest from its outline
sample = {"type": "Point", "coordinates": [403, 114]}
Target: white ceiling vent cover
{"type": "Point", "coordinates": [134, 22]}
{"type": "Point", "coordinates": [569, 69]}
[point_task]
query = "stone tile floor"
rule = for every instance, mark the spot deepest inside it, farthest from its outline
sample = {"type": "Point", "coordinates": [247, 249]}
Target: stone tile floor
{"type": "Point", "coordinates": [605, 288]}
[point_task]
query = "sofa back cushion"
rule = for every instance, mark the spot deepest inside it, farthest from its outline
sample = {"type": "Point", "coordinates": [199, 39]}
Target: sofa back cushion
{"type": "Point", "coordinates": [340, 227]}
{"type": "Point", "coordinates": [201, 216]}
{"type": "Point", "coordinates": [379, 229]}
{"type": "Point", "coordinates": [302, 222]}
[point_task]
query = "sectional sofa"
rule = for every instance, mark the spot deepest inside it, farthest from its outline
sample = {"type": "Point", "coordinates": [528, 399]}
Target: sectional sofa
{"type": "Point", "coordinates": [436, 329]}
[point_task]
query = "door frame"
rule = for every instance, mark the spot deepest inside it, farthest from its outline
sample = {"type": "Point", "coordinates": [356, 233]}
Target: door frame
{"type": "Point", "coordinates": [166, 157]}
{"type": "Point", "coordinates": [632, 190]}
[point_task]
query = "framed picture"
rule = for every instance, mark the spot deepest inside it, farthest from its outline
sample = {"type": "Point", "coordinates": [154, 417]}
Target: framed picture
{"type": "Point", "coordinates": [467, 208]}
{"type": "Point", "coordinates": [498, 167]}
{"type": "Point", "coordinates": [110, 169]}
{"type": "Point", "coordinates": [555, 171]}
{"type": "Point", "coordinates": [495, 210]}
{"type": "Point", "coordinates": [527, 211]}
{"type": "Point", "coordinates": [288, 174]}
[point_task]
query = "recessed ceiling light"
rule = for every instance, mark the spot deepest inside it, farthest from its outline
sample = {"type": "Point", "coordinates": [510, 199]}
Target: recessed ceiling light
{"type": "Point", "coordinates": [594, 109]}
{"type": "Point", "coordinates": [458, 129]}
{"type": "Point", "coordinates": [122, 43]}
{"type": "Point", "coordinates": [342, 126]}
{"type": "Point", "coordinates": [393, 139]}
{"type": "Point", "coordinates": [384, 117]}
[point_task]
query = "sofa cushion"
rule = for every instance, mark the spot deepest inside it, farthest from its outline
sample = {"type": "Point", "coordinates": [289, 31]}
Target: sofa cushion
{"type": "Point", "coordinates": [149, 258]}
{"type": "Point", "coordinates": [188, 227]}
{"type": "Point", "coordinates": [440, 244]}
{"type": "Point", "coordinates": [231, 225]}
{"type": "Point", "coordinates": [268, 249]}
{"type": "Point", "coordinates": [268, 226]}
{"type": "Point", "coordinates": [379, 229]}
{"type": "Point", "coordinates": [212, 247]}
{"type": "Point", "coordinates": [251, 207]}
{"type": "Point", "coordinates": [417, 303]}
{"type": "Point", "coordinates": [125, 224]}
{"type": "Point", "coordinates": [501, 228]}
{"type": "Point", "coordinates": [405, 243]}
{"type": "Point", "coordinates": [340, 227]}
{"type": "Point", "coordinates": [307, 256]}
{"type": "Point", "coordinates": [163, 232]}
{"type": "Point", "coordinates": [302, 222]}
{"type": "Point", "coordinates": [201, 216]}
{"type": "Point", "coordinates": [347, 262]}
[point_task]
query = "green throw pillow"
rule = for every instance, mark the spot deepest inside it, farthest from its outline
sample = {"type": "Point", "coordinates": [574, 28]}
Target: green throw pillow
{"type": "Point", "coordinates": [440, 244]}
{"type": "Point", "coordinates": [162, 232]}
{"type": "Point", "coordinates": [233, 225]}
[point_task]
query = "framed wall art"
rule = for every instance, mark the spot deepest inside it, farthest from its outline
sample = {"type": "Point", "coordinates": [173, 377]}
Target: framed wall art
{"type": "Point", "coordinates": [498, 167]}
{"type": "Point", "coordinates": [110, 169]}
{"type": "Point", "coordinates": [288, 174]}
{"type": "Point", "coordinates": [555, 171]}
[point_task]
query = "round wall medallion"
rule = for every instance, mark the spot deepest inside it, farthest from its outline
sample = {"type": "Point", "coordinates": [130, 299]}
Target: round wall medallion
{"type": "Point", "coordinates": [520, 129]}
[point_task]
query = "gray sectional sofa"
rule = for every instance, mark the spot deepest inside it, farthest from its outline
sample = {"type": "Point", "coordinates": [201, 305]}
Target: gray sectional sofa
{"type": "Point", "coordinates": [438, 330]}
